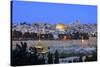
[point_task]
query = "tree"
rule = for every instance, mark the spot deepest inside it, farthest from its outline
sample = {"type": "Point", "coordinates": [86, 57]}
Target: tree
{"type": "Point", "coordinates": [50, 58]}
{"type": "Point", "coordinates": [26, 35]}
{"type": "Point", "coordinates": [34, 36]}
{"type": "Point", "coordinates": [76, 35]}
{"type": "Point", "coordinates": [56, 57]}
{"type": "Point", "coordinates": [16, 34]}
{"type": "Point", "coordinates": [18, 56]}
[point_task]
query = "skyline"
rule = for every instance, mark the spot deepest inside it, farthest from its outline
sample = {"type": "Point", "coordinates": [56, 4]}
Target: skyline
{"type": "Point", "coordinates": [52, 13]}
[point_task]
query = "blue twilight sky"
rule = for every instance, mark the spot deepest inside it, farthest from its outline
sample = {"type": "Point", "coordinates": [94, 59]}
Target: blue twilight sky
{"type": "Point", "coordinates": [52, 12]}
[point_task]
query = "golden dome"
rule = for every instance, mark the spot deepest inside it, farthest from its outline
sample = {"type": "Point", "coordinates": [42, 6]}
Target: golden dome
{"type": "Point", "coordinates": [39, 45]}
{"type": "Point", "coordinates": [41, 48]}
{"type": "Point", "coordinates": [60, 26]}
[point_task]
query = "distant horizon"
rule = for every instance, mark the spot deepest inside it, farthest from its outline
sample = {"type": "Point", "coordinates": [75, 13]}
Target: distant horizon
{"type": "Point", "coordinates": [50, 23]}
{"type": "Point", "coordinates": [52, 13]}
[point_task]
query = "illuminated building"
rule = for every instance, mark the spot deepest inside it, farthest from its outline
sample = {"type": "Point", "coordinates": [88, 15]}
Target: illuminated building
{"type": "Point", "coordinates": [60, 27]}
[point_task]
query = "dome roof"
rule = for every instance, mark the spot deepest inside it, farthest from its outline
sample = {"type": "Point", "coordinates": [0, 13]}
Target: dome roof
{"type": "Point", "coordinates": [39, 45]}
{"type": "Point", "coordinates": [60, 26]}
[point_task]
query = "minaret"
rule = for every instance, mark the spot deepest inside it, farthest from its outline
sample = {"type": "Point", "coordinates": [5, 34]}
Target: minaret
{"type": "Point", "coordinates": [77, 22]}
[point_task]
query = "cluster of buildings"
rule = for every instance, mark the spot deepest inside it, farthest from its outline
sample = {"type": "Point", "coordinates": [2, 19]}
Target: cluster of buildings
{"type": "Point", "coordinates": [45, 28]}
